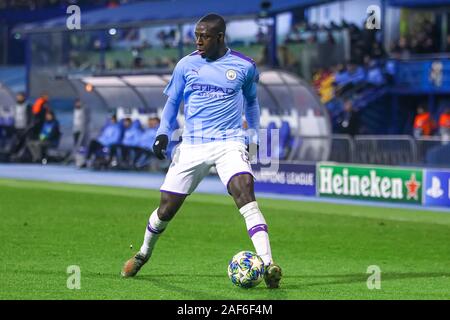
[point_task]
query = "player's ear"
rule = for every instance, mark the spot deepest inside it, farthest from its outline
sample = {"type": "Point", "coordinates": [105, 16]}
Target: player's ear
{"type": "Point", "coordinates": [220, 36]}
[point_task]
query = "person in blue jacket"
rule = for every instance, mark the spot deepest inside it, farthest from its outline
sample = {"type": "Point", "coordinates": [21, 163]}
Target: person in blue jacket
{"type": "Point", "coordinates": [144, 149]}
{"type": "Point", "coordinates": [48, 138]}
{"type": "Point", "coordinates": [110, 135]}
{"type": "Point", "coordinates": [123, 153]}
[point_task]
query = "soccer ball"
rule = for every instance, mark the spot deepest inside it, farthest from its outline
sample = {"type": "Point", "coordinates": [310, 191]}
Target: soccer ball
{"type": "Point", "coordinates": [246, 269]}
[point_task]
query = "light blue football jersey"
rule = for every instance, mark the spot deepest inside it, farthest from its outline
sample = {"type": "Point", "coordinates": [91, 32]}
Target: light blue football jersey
{"type": "Point", "coordinates": [215, 95]}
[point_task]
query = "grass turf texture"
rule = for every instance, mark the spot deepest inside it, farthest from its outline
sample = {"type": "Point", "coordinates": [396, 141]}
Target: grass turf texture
{"type": "Point", "coordinates": [324, 249]}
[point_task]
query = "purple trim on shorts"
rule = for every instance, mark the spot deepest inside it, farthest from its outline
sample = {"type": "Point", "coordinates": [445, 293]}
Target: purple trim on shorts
{"type": "Point", "coordinates": [242, 56]}
{"type": "Point", "coordinates": [175, 193]}
{"type": "Point", "coordinates": [237, 174]}
{"type": "Point", "coordinates": [149, 228]}
{"type": "Point", "coordinates": [257, 228]}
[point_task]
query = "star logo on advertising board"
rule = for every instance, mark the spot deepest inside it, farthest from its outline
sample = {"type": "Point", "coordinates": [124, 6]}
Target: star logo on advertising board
{"type": "Point", "coordinates": [412, 186]}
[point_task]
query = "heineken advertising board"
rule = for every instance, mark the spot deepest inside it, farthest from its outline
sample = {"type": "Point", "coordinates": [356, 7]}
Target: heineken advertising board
{"type": "Point", "coordinates": [370, 183]}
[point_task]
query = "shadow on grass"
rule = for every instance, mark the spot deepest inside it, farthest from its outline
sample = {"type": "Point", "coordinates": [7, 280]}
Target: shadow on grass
{"type": "Point", "coordinates": [336, 279]}
{"type": "Point", "coordinates": [229, 292]}
{"type": "Point", "coordinates": [164, 283]}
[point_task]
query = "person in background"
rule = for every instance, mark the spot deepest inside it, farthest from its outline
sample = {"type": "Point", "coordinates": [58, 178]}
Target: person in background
{"type": "Point", "coordinates": [144, 150]}
{"type": "Point", "coordinates": [22, 121]}
{"type": "Point", "coordinates": [402, 48]}
{"type": "Point", "coordinates": [34, 120]}
{"type": "Point", "coordinates": [80, 124]}
{"type": "Point", "coordinates": [356, 73]}
{"type": "Point", "coordinates": [113, 4]}
{"type": "Point", "coordinates": [288, 59]}
{"type": "Point", "coordinates": [260, 36]}
{"type": "Point", "coordinates": [123, 153]}
{"type": "Point", "coordinates": [22, 114]}
{"type": "Point", "coordinates": [444, 125]}
{"type": "Point", "coordinates": [374, 73]}
{"type": "Point", "coordinates": [349, 119]}
{"type": "Point", "coordinates": [324, 81]}
{"type": "Point", "coordinates": [390, 67]}
{"type": "Point", "coordinates": [38, 114]}
{"type": "Point", "coordinates": [110, 135]}
{"type": "Point", "coordinates": [424, 124]}
{"type": "Point", "coordinates": [48, 137]}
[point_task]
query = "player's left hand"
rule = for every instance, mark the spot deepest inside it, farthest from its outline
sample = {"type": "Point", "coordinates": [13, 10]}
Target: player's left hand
{"type": "Point", "coordinates": [160, 146]}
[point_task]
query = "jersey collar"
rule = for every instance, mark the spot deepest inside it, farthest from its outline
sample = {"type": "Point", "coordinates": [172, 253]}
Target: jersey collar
{"type": "Point", "coordinates": [227, 53]}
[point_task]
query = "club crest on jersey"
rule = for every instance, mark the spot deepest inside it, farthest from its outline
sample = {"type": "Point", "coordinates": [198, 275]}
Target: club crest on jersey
{"type": "Point", "coordinates": [231, 74]}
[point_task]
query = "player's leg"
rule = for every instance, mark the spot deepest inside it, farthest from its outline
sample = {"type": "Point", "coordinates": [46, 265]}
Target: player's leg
{"type": "Point", "coordinates": [169, 204]}
{"type": "Point", "coordinates": [235, 172]}
{"type": "Point", "coordinates": [184, 175]}
{"type": "Point", "coordinates": [241, 187]}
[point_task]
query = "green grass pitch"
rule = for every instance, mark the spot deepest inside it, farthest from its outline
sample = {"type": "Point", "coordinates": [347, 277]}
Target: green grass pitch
{"type": "Point", "coordinates": [324, 249]}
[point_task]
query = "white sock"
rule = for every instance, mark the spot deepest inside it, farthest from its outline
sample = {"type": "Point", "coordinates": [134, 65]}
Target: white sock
{"type": "Point", "coordinates": [154, 229]}
{"type": "Point", "coordinates": [257, 230]}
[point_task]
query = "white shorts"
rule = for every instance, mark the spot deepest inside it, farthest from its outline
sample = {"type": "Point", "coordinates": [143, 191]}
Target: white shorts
{"type": "Point", "coordinates": [192, 162]}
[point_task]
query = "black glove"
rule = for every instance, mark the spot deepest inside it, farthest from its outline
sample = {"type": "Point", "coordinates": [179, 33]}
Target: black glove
{"type": "Point", "coordinates": [160, 146]}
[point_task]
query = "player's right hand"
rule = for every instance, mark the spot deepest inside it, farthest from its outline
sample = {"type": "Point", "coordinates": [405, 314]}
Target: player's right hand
{"type": "Point", "coordinates": [160, 146]}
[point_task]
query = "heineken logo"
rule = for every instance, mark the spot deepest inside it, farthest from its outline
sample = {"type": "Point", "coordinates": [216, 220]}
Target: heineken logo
{"type": "Point", "coordinates": [373, 183]}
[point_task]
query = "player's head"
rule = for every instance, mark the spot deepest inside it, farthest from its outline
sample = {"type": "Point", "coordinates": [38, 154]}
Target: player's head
{"type": "Point", "coordinates": [210, 36]}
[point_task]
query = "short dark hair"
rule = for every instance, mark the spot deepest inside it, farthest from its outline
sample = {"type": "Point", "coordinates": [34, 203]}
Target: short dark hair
{"type": "Point", "coordinates": [216, 20]}
{"type": "Point", "coordinates": [422, 106]}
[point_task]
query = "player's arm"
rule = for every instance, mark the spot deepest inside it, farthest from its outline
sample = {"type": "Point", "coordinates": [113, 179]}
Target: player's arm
{"type": "Point", "coordinates": [174, 91]}
{"type": "Point", "coordinates": [252, 110]}
{"type": "Point", "coordinates": [168, 117]}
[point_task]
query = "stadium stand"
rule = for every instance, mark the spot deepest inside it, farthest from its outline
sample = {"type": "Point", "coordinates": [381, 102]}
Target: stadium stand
{"type": "Point", "coordinates": [344, 62]}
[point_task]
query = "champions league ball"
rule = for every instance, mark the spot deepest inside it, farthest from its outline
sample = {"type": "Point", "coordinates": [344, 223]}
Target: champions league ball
{"type": "Point", "coordinates": [246, 269]}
